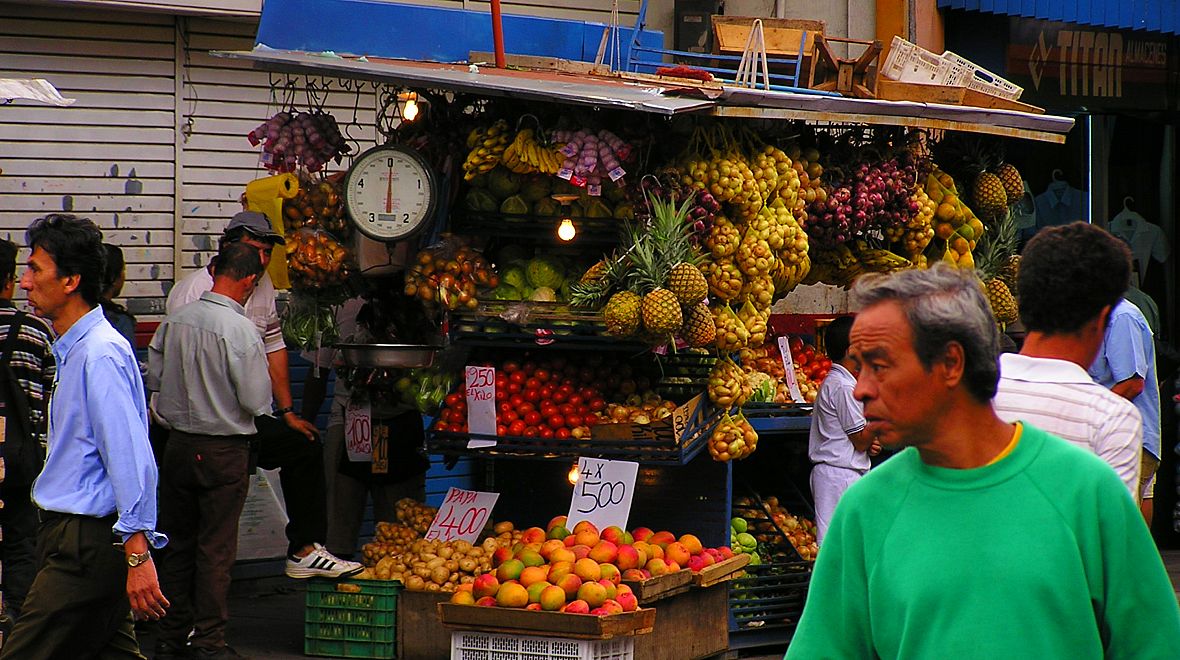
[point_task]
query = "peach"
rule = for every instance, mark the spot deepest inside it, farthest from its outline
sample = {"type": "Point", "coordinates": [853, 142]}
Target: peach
{"type": "Point", "coordinates": [612, 606]}
{"type": "Point", "coordinates": [485, 585]}
{"type": "Point", "coordinates": [627, 538]}
{"type": "Point", "coordinates": [533, 574]}
{"type": "Point", "coordinates": [662, 538]}
{"type": "Point", "coordinates": [633, 575]}
{"type": "Point", "coordinates": [726, 552]}
{"type": "Point", "coordinates": [628, 602]}
{"type": "Point", "coordinates": [535, 590]}
{"type": "Point", "coordinates": [576, 607]}
{"type": "Point", "coordinates": [466, 586]}
{"type": "Point", "coordinates": [585, 525]}
{"type": "Point", "coordinates": [510, 570]}
{"type": "Point", "coordinates": [512, 595]}
{"type": "Point", "coordinates": [533, 607]}
{"type": "Point", "coordinates": [569, 584]}
{"type": "Point", "coordinates": [611, 590]}
{"type": "Point", "coordinates": [641, 533]}
{"type": "Point", "coordinates": [587, 569]}
{"type": "Point", "coordinates": [559, 532]}
{"type": "Point", "coordinates": [533, 535]}
{"type": "Point", "coordinates": [672, 566]}
{"type": "Point", "coordinates": [587, 537]}
{"type": "Point", "coordinates": [580, 551]}
{"type": "Point", "coordinates": [708, 558]}
{"type": "Point", "coordinates": [556, 521]}
{"type": "Point", "coordinates": [559, 569]}
{"type": "Point", "coordinates": [599, 611]}
{"type": "Point", "coordinates": [570, 541]}
{"type": "Point", "coordinates": [654, 552]}
{"type": "Point", "coordinates": [552, 598]}
{"type": "Point", "coordinates": [627, 557]}
{"type": "Point", "coordinates": [623, 588]}
{"type": "Point", "coordinates": [657, 567]}
{"type": "Point", "coordinates": [549, 546]}
{"type": "Point", "coordinates": [530, 557]}
{"type": "Point", "coordinates": [677, 552]}
{"type": "Point", "coordinates": [563, 554]}
{"type": "Point", "coordinates": [691, 542]}
{"type": "Point", "coordinates": [610, 572]}
{"type": "Point", "coordinates": [486, 601]}
{"type": "Point", "coordinates": [463, 598]}
{"type": "Point", "coordinates": [696, 563]}
{"type": "Point", "coordinates": [593, 593]}
{"type": "Point", "coordinates": [604, 552]}
{"type": "Point", "coordinates": [501, 555]}
{"type": "Point", "coordinates": [614, 534]}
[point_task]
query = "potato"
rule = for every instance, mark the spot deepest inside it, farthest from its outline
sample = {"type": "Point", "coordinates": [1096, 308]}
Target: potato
{"type": "Point", "coordinates": [439, 574]}
{"type": "Point", "coordinates": [415, 583]}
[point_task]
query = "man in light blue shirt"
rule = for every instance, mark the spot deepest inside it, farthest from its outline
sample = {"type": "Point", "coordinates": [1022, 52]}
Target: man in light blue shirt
{"type": "Point", "coordinates": [1126, 365]}
{"type": "Point", "coordinates": [98, 487]}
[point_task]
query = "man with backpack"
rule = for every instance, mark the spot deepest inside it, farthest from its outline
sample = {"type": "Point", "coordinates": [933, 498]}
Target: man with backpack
{"type": "Point", "coordinates": [26, 378]}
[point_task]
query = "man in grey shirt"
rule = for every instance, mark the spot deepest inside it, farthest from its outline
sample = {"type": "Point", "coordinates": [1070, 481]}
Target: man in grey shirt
{"type": "Point", "coordinates": [208, 364]}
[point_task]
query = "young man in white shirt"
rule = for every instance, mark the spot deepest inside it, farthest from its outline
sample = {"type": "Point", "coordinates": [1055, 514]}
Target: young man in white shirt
{"type": "Point", "coordinates": [838, 446]}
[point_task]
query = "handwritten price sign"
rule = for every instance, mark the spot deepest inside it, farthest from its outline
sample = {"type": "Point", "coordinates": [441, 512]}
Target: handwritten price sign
{"type": "Point", "coordinates": [789, 366]}
{"type": "Point", "coordinates": [603, 492]}
{"type": "Point", "coordinates": [358, 432]}
{"type": "Point", "coordinates": [462, 515]}
{"type": "Point", "coordinates": [481, 404]}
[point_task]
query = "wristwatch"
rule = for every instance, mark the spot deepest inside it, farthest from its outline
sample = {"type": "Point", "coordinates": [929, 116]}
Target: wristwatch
{"type": "Point", "coordinates": [283, 411]}
{"type": "Point", "coordinates": [135, 559]}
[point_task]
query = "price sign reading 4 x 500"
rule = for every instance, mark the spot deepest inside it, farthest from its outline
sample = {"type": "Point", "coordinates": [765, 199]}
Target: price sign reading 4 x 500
{"type": "Point", "coordinates": [603, 492]}
{"type": "Point", "coordinates": [462, 515]}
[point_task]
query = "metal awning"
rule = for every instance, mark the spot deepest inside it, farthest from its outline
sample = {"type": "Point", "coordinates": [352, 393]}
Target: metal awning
{"type": "Point", "coordinates": [1153, 15]}
{"type": "Point", "coordinates": [658, 97]}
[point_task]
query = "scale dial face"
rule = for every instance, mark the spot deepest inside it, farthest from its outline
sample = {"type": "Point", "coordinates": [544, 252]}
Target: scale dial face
{"type": "Point", "coordinates": [390, 192]}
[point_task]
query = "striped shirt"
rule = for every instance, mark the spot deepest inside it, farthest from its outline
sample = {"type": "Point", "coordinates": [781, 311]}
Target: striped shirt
{"type": "Point", "coordinates": [1059, 397]}
{"type": "Point", "coordinates": [32, 362]}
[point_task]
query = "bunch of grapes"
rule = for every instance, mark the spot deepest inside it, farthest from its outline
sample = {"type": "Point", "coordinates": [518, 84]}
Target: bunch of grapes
{"type": "Point", "coordinates": [310, 139]}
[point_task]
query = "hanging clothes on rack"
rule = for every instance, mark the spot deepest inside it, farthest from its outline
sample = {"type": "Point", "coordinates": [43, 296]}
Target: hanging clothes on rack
{"type": "Point", "coordinates": [1061, 204]}
{"type": "Point", "coordinates": [1024, 215]}
{"type": "Point", "coordinates": [1146, 240]}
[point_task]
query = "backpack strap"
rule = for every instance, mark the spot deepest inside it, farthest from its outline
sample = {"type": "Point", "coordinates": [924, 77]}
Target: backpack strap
{"type": "Point", "coordinates": [17, 400]}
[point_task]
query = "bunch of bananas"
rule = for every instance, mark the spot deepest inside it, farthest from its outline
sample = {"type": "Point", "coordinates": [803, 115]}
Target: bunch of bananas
{"type": "Point", "coordinates": [732, 334]}
{"type": "Point", "coordinates": [487, 148]}
{"type": "Point", "coordinates": [837, 266]}
{"type": "Point", "coordinates": [727, 384]}
{"type": "Point", "coordinates": [873, 260]}
{"type": "Point", "coordinates": [526, 155]}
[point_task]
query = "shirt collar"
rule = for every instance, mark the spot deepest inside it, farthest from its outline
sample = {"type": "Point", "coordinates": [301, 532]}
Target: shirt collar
{"type": "Point", "coordinates": [6, 304]}
{"type": "Point", "coordinates": [224, 300]}
{"type": "Point", "coordinates": [1044, 370]}
{"type": "Point", "coordinates": [61, 347]}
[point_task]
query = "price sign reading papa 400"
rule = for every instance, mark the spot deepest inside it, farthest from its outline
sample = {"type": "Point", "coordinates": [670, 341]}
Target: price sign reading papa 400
{"type": "Point", "coordinates": [462, 515]}
{"type": "Point", "coordinates": [603, 492]}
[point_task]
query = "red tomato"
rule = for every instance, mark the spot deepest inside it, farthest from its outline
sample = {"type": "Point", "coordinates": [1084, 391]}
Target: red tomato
{"type": "Point", "coordinates": [517, 377]}
{"type": "Point", "coordinates": [559, 396]}
{"type": "Point", "coordinates": [562, 433]}
{"type": "Point", "coordinates": [542, 375]}
{"type": "Point", "coordinates": [576, 399]}
{"type": "Point", "coordinates": [525, 407]}
{"type": "Point", "coordinates": [501, 381]}
{"type": "Point", "coordinates": [501, 429]}
{"type": "Point", "coordinates": [509, 417]}
{"type": "Point", "coordinates": [517, 428]}
{"type": "Point", "coordinates": [453, 399]}
{"type": "Point", "coordinates": [501, 395]}
{"type": "Point", "coordinates": [532, 395]}
{"type": "Point", "coordinates": [506, 407]}
{"type": "Point", "coordinates": [441, 426]}
{"type": "Point", "coordinates": [556, 421]}
{"type": "Point", "coordinates": [532, 384]}
{"type": "Point", "coordinates": [546, 432]}
{"type": "Point", "coordinates": [587, 393]}
{"type": "Point", "coordinates": [514, 388]}
{"type": "Point", "coordinates": [532, 432]}
{"type": "Point", "coordinates": [461, 406]}
{"type": "Point", "coordinates": [795, 343]}
{"type": "Point", "coordinates": [546, 391]}
{"type": "Point", "coordinates": [597, 404]}
{"type": "Point", "coordinates": [510, 367]}
{"type": "Point", "coordinates": [532, 418]}
{"type": "Point", "coordinates": [573, 420]}
{"type": "Point", "coordinates": [566, 409]}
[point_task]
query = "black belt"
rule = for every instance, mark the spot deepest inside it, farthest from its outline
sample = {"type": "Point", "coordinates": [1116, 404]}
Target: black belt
{"type": "Point", "coordinates": [44, 516]}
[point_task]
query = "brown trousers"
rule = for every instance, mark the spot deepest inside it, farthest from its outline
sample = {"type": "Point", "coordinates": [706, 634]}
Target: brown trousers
{"type": "Point", "coordinates": [203, 485]}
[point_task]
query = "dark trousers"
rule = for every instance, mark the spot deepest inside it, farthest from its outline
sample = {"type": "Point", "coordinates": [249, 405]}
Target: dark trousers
{"type": "Point", "coordinates": [77, 607]}
{"type": "Point", "coordinates": [203, 485]}
{"type": "Point", "coordinates": [18, 550]}
{"type": "Point", "coordinates": [301, 474]}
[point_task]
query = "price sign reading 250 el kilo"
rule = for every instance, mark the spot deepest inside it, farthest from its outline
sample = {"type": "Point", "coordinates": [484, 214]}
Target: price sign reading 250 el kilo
{"type": "Point", "coordinates": [603, 492]}
{"type": "Point", "coordinates": [462, 515]}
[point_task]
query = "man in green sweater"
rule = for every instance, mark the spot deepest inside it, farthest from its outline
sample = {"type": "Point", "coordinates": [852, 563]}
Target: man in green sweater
{"type": "Point", "coordinates": [981, 539]}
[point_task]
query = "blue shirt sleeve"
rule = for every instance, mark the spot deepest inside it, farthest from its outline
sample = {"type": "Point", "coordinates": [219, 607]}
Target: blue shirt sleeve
{"type": "Point", "coordinates": [119, 422]}
{"type": "Point", "coordinates": [1125, 353]}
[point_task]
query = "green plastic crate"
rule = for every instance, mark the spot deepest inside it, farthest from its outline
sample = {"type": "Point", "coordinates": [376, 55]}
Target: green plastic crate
{"type": "Point", "coordinates": [350, 623]}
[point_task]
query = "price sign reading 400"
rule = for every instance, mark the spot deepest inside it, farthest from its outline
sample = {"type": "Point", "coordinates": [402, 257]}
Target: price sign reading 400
{"type": "Point", "coordinates": [462, 515]}
{"type": "Point", "coordinates": [603, 492]}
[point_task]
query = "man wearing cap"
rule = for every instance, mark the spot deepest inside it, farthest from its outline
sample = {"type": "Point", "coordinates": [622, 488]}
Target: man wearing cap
{"type": "Point", "coordinates": [292, 444]}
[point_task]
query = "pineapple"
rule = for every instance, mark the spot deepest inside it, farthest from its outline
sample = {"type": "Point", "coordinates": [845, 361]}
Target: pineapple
{"type": "Point", "coordinates": [996, 254]}
{"type": "Point", "coordinates": [989, 195]}
{"type": "Point", "coordinates": [688, 283]}
{"type": "Point", "coordinates": [1002, 302]}
{"type": "Point", "coordinates": [698, 329]}
{"type": "Point", "coordinates": [1013, 182]}
{"type": "Point", "coordinates": [595, 272]}
{"type": "Point", "coordinates": [622, 314]}
{"type": "Point", "coordinates": [661, 312]}
{"type": "Point", "coordinates": [1008, 271]}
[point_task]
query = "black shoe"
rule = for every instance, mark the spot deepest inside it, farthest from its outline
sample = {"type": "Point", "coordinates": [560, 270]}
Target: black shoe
{"type": "Point", "coordinates": [169, 652]}
{"type": "Point", "coordinates": [223, 653]}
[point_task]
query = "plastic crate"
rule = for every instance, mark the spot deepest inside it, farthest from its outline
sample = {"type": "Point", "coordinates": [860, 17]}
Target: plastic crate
{"type": "Point", "coordinates": [470, 645]}
{"type": "Point", "coordinates": [358, 622]}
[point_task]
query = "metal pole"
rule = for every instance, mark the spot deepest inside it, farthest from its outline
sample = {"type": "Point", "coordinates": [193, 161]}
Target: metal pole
{"type": "Point", "coordinates": [498, 35]}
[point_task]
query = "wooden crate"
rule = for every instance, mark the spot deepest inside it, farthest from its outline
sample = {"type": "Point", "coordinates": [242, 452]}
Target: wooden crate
{"type": "Point", "coordinates": [893, 90]}
{"type": "Point", "coordinates": [420, 634]}
{"type": "Point", "coordinates": [690, 625]}
{"type": "Point", "coordinates": [782, 35]}
{"type": "Point", "coordinates": [546, 624]}
{"type": "Point", "coordinates": [721, 571]}
{"type": "Point", "coordinates": [663, 586]}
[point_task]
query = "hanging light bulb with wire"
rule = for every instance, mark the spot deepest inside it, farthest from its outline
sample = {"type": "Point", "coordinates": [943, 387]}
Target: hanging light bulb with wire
{"type": "Point", "coordinates": [566, 230]}
{"type": "Point", "coordinates": [410, 111]}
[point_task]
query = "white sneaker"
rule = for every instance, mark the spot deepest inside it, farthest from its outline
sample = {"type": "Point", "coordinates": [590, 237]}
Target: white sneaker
{"type": "Point", "coordinates": [321, 563]}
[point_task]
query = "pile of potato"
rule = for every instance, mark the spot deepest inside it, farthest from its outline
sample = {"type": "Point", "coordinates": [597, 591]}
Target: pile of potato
{"type": "Point", "coordinates": [414, 514]}
{"type": "Point", "coordinates": [435, 565]}
{"type": "Point", "coordinates": [389, 540]}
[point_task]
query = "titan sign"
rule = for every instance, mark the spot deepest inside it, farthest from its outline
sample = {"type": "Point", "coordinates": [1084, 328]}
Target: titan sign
{"type": "Point", "coordinates": [1064, 65]}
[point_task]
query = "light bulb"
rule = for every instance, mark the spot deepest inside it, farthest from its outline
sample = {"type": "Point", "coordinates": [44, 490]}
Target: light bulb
{"type": "Point", "coordinates": [411, 110]}
{"type": "Point", "coordinates": [572, 477]}
{"type": "Point", "coordinates": [566, 230]}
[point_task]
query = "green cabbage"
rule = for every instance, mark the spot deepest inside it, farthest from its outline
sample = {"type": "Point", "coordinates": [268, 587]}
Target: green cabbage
{"type": "Point", "coordinates": [514, 277]}
{"type": "Point", "coordinates": [545, 272]}
{"type": "Point", "coordinates": [543, 294]}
